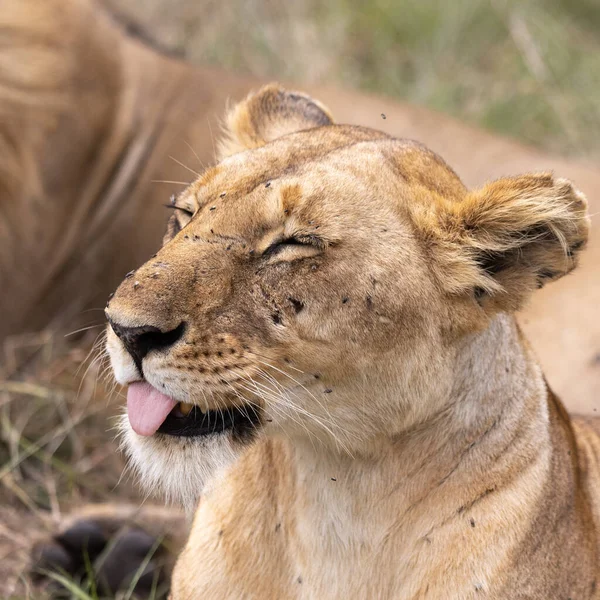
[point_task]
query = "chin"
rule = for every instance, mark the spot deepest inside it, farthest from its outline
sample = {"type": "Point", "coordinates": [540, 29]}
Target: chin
{"type": "Point", "coordinates": [180, 469]}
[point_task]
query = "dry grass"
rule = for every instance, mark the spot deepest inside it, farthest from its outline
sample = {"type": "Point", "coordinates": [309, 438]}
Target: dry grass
{"type": "Point", "coordinates": [56, 447]}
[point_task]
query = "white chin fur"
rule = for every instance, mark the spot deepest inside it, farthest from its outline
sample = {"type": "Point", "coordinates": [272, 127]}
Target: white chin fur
{"type": "Point", "coordinates": [179, 468]}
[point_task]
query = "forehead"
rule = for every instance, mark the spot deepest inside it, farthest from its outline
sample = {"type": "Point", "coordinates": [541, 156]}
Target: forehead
{"type": "Point", "coordinates": [337, 169]}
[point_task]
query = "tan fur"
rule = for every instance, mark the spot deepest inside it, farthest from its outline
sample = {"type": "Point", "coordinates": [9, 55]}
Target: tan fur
{"type": "Point", "coordinates": [516, 220]}
{"type": "Point", "coordinates": [80, 155]}
{"type": "Point", "coordinates": [407, 445]}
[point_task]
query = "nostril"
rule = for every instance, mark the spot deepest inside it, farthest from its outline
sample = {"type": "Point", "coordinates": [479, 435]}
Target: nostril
{"type": "Point", "coordinates": [155, 339]}
{"type": "Point", "coordinates": [140, 340]}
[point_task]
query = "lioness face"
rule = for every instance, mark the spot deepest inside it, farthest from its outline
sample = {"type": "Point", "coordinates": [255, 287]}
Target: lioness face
{"type": "Point", "coordinates": [316, 285]}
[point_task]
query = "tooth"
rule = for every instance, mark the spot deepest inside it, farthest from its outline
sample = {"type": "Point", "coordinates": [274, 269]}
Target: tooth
{"type": "Point", "coordinates": [185, 408]}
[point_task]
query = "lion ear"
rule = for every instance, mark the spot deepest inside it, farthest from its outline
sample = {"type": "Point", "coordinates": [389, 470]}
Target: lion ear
{"type": "Point", "coordinates": [267, 115]}
{"type": "Point", "coordinates": [509, 238]}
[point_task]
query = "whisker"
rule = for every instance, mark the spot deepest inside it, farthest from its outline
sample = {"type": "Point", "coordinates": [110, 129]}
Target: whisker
{"type": "Point", "coordinates": [302, 386]}
{"type": "Point", "coordinates": [245, 402]}
{"type": "Point", "coordinates": [97, 342]}
{"type": "Point", "coordinates": [331, 421]}
{"type": "Point", "coordinates": [212, 139]}
{"type": "Point", "coordinates": [169, 181]}
{"type": "Point", "coordinates": [84, 329]}
{"type": "Point", "coordinates": [184, 166]}
{"type": "Point", "coordinates": [194, 153]}
{"type": "Point", "coordinates": [283, 397]}
{"type": "Point", "coordinates": [275, 406]}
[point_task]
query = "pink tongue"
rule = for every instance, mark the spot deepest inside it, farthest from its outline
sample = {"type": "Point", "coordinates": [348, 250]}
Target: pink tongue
{"type": "Point", "coordinates": [147, 408]}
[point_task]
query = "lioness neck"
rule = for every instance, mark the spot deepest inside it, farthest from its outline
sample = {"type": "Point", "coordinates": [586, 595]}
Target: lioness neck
{"type": "Point", "coordinates": [451, 480]}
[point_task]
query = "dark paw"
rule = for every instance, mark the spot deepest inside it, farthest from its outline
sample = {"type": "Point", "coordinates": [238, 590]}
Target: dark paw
{"type": "Point", "coordinates": [88, 556]}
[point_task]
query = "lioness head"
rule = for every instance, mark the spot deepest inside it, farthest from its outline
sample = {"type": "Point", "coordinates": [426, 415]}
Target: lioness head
{"type": "Point", "coordinates": [320, 282]}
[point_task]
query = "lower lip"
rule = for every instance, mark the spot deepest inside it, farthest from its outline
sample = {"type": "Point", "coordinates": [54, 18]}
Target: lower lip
{"type": "Point", "coordinates": [240, 420]}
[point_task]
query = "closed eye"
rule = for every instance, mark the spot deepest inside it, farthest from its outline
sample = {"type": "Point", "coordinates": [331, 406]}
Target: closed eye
{"type": "Point", "coordinates": [181, 210]}
{"type": "Point", "coordinates": [310, 241]}
{"type": "Point", "coordinates": [179, 219]}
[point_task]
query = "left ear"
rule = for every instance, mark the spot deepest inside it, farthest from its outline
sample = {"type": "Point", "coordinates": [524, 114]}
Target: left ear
{"type": "Point", "coordinates": [268, 114]}
{"type": "Point", "coordinates": [507, 239]}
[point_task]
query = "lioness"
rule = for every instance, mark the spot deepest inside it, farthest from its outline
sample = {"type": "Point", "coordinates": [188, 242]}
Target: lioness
{"type": "Point", "coordinates": [89, 117]}
{"type": "Point", "coordinates": [325, 349]}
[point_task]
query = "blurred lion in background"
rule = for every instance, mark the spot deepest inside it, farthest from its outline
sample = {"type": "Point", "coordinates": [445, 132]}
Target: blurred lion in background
{"type": "Point", "coordinates": [89, 118]}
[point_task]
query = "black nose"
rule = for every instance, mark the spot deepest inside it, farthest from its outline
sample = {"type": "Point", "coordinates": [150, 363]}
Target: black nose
{"type": "Point", "coordinates": [138, 341]}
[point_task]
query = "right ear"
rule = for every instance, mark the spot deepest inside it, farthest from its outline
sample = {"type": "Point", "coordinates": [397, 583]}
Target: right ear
{"type": "Point", "coordinates": [501, 242]}
{"type": "Point", "coordinates": [267, 115]}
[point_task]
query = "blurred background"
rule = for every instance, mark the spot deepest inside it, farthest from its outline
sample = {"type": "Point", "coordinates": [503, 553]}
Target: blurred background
{"type": "Point", "coordinates": [530, 69]}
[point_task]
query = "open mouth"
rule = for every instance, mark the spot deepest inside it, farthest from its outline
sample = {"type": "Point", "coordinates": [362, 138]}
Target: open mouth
{"type": "Point", "coordinates": [187, 420]}
{"type": "Point", "coordinates": [150, 411]}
